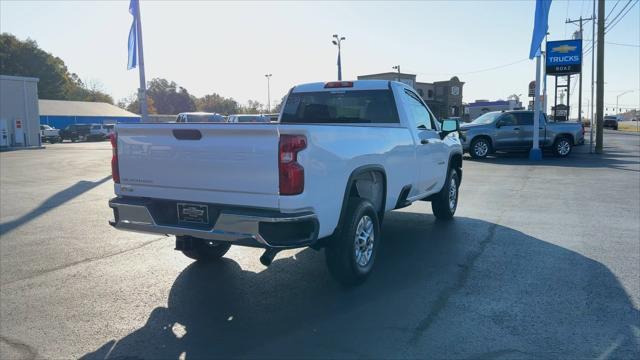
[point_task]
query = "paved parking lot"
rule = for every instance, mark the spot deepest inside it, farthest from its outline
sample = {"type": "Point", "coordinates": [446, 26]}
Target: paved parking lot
{"type": "Point", "coordinates": [541, 261]}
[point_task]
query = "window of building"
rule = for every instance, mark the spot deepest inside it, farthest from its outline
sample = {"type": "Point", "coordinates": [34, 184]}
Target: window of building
{"type": "Point", "coordinates": [429, 94]}
{"type": "Point", "coordinates": [421, 93]}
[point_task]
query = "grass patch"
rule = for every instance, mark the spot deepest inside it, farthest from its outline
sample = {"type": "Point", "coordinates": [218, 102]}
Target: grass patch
{"type": "Point", "coordinates": [628, 126]}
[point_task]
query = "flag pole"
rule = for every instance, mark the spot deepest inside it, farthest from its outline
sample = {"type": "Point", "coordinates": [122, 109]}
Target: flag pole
{"type": "Point", "coordinates": [142, 91]}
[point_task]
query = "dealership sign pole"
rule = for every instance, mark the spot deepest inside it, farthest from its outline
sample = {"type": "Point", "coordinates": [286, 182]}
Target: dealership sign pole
{"type": "Point", "coordinates": [136, 55]}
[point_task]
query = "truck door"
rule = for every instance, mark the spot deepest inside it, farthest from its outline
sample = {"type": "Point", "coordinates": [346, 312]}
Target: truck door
{"type": "Point", "coordinates": [507, 132]}
{"type": "Point", "coordinates": [525, 122]}
{"type": "Point", "coordinates": [426, 138]}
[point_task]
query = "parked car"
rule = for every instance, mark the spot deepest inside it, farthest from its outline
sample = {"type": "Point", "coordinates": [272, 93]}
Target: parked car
{"type": "Point", "coordinates": [513, 131]}
{"type": "Point", "coordinates": [248, 119]}
{"type": "Point", "coordinates": [187, 117]}
{"type": "Point", "coordinates": [49, 134]}
{"type": "Point", "coordinates": [343, 154]}
{"type": "Point", "coordinates": [611, 122]}
{"type": "Point", "coordinates": [272, 117]}
{"type": "Point", "coordinates": [75, 132]}
{"type": "Point", "coordinates": [100, 131]}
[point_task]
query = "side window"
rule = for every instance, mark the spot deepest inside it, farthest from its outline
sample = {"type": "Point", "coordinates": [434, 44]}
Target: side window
{"type": "Point", "coordinates": [524, 118]}
{"type": "Point", "coordinates": [418, 114]}
{"type": "Point", "coordinates": [507, 120]}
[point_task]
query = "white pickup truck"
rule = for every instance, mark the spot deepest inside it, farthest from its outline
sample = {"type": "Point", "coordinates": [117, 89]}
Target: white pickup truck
{"type": "Point", "coordinates": [342, 154]}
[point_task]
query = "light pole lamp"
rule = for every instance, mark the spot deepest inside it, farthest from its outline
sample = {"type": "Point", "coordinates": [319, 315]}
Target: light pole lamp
{"type": "Point", "coordinates": [618, 98]}
{"type": "Point", "coordinates": [337, 41]}
{"type": "Point", "coordinates": [268, 76]}
{"type": "Point", "coordinates": [397, 67]}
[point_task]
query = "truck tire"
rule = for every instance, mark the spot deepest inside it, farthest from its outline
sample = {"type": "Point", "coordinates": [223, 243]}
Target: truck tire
{"type": "Point", "coordinates": [204, 250]}
{"type": "Point", "coordinates": [351, 252]}
{"type": "Point", "coordinates": [562, 146]}
{"type": "Point", "coordinates": [445, 203]}
{"type": "Point", "coordinates": [480, 148]}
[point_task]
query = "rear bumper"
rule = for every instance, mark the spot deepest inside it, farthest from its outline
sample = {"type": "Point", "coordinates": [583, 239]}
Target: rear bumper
{"type": "Point", "coordinates": [248, 227]}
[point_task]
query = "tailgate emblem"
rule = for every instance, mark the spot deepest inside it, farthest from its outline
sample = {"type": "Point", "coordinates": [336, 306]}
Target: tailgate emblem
{"type": "Point", "coordinates": [193, 213]}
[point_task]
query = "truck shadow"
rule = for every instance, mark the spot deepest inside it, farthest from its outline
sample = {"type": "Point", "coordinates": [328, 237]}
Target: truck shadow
{"type": "Point", "coordinates": [467, 288]}
{"type": "Point", "coordinates": [52, 202]}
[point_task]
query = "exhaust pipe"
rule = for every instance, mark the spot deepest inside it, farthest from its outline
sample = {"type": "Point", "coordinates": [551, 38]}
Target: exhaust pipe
{"type": "Point", "coordinates": [267, 258]}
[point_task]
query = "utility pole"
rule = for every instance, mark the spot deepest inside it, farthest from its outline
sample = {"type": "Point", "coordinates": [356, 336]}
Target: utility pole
{"type": "Point", "coordinates": [268, 76]}
{"type": "Point", "coordinates": [579, 21]}
{"type": "Point", "coordinates": [600, 79]}
{"type": "Point", "coordinates": [338, 42]}
{"type": "Point", "coordinates": [593, 65]}
{"type": "Point", "coordinates": [397, 67]}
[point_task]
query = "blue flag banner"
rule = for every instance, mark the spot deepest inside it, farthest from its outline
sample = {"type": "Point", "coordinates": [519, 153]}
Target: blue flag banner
{"type": "Point", "coordinates": [540, 26]}
{"type": "Point", "coordinates": [133, 36]}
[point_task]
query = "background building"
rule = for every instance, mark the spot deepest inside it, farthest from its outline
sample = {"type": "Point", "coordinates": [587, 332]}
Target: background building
{"type": "Point", "coordinates": [60, 113]}
{"type": "Point", "coordinates": [444, 98]}
{"type": "Point", "coordinates": [19, 125]}
{"type": "Point", "coordinates": [479, 107]}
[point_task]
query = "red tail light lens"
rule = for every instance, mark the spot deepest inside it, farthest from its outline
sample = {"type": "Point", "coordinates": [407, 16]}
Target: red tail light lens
{"type": "Point", "coordinates": [291, 173]}
{"type": "Point", "coordinates": [115, 171]}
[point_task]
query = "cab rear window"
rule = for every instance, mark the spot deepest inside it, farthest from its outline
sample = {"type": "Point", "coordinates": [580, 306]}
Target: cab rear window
{"type": "Point", "coordinates": [341, 107]}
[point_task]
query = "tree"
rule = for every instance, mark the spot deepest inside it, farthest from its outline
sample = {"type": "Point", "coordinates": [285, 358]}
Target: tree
{"type": "Point", "coordinates": [217, 104]}
{"type": "Point", "coordinates": [278, 107]}
{"type": "Point", "coordinates": [25, 58]}
{"type": "Point", "coordinates": [134, 105]}
{"type": "Point", "coordinates": [252, 107]}
{"type": "Point", "coordinates": [169, 98]}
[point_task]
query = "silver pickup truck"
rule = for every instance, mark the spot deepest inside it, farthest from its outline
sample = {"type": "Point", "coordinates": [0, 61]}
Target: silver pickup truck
{"type": "Point", "coordinates": [513, 131]}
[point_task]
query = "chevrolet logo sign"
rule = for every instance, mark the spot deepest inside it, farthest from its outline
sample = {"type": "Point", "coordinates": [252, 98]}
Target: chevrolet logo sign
{"type": "Point", "coordinates": [563, 49]}
{"type": "Point", "coordinates": [190, 211]}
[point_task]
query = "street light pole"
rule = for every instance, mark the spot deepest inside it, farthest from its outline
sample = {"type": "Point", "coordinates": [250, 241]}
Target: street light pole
{"type": "Point", "coordinates": [618, 97]}
{"type": "Point", "coordinates": [397, 67]}
{"type": "Point", "coordinates": [338, 43]}
{"type": "Point", "coordinates": [268, 76]}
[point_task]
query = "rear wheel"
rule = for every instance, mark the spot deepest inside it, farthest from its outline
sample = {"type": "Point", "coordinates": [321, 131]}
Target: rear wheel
{"type": "Point", "coordinates": [351, 252]}
{"type": "Point", "coordinates": [203, 250]}
{"type": "Point", "coordinates": [480, 148]}
{"type": "Point", "coordinates": [562, 147]}
{"type": "Point", "coordinates": [445, 203]}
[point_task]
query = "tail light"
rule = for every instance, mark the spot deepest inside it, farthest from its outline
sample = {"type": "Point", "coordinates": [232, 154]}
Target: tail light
{"type": "Point", "coordinates": [115, 171]}
{"type": "Point", "coordinates": [291, 173]}
{"type": "Point", "coordinates": [338, 84]}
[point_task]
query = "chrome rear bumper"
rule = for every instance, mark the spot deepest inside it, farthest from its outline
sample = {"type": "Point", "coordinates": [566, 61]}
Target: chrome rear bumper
{"type": "Point", "coordinates": [242, 227]}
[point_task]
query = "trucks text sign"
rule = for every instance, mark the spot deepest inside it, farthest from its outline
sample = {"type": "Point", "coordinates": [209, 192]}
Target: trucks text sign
{"type": "Point", "coordinates": [564, 57]}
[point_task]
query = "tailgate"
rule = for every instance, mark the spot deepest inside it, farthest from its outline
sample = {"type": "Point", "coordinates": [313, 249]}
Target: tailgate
{"type": "Point", "coordinates": [235, 164]}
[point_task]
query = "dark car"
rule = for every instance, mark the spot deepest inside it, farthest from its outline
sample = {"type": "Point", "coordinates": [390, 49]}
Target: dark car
{"type": "Point", "coordinates": [75, 132]}
{"type": "Point", "coordinates": [611, 122]}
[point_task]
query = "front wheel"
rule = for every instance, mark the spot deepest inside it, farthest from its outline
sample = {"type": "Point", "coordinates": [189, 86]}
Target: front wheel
{"type": "Point", "coordinates": [351, 252]}
{"type": "Point", "coordinates": [562, 147]}
{"type": "Point", "coordinates": [204, 250]}
{"type": "Point", "coordinates": [445, 203]}
{"type": "Point", "coordinates": [480, 148]}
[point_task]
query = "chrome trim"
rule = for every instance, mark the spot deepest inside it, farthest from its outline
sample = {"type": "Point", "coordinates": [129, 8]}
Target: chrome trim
{"type": "Point", "coordinates": [230, 226]}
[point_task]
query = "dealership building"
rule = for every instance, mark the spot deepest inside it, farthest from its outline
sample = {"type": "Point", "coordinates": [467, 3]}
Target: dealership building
{"type": "Point", "coordinates": [444, 98]}
{"type": "Point", "coordinates": [60, 113]}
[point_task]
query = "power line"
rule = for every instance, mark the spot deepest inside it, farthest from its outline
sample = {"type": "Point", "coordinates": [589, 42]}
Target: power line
{"type": "Point", "coordinates": [606, 26]}
{"type": "Point", "coordinates": [611, 26]}
{"type": "Point", "coordinates": [475, 71]}
{"type": "Point", "coordinates": [614, 7]}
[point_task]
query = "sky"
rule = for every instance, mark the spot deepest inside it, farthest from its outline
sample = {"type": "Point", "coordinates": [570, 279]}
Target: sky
{"type": "Point", "coordinates": [228, 47]}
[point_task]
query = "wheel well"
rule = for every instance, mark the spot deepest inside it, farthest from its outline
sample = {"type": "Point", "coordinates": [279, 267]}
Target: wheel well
{"type": "Point", "coordinates": [370, 185]}
{"type": "Point", "coordinates": [569, 136]}
{"type": "Point", "coordinates": [456, 161]}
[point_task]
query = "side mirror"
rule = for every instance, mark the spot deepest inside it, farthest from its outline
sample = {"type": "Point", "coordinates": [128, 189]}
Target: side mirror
{"type": "Point", "coordinates": [449, 126]}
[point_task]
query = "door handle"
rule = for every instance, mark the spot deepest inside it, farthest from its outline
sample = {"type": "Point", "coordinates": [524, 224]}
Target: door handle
{"type": "Point", "coordinates": [424, 141]}
{"type": "Point", "coordinates": [516, 129]}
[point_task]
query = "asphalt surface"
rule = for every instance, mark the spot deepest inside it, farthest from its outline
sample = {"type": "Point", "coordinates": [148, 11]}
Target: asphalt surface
{"type": "Point", "coordinates": [542, 260]}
